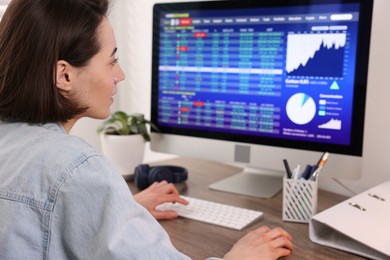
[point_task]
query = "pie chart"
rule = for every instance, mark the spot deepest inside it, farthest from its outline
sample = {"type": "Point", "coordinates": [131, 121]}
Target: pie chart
{"type": "Point", "coordinates": [301, 108]}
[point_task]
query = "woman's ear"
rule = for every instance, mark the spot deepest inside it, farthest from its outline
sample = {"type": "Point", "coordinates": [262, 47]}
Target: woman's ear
{"type": "Point", "coordinates": [64, 76]}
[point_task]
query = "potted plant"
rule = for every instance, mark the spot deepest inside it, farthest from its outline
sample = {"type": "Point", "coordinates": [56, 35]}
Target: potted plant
{"type": "Point", "coordinates": [123, 138]}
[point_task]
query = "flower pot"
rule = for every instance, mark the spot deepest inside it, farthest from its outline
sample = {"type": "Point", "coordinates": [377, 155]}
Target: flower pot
{"type": "Point", "coordinates": [124, 151]}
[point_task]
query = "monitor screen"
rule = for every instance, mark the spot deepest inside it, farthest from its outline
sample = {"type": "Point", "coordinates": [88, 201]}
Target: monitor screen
{"type": "Point", "coordinates": [286, 74]}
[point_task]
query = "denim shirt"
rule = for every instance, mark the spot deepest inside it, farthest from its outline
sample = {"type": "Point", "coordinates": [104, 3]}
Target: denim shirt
{"type": "Point", "coordinates": [61, 199]}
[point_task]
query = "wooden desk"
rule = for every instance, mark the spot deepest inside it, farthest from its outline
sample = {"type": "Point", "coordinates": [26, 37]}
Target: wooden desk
{"type": "Point", "coordinates": [199, 240]}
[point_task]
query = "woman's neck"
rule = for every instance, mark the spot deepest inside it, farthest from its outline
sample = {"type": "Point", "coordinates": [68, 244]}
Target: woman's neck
{"type": "Point", "coordinates": [69, 124]}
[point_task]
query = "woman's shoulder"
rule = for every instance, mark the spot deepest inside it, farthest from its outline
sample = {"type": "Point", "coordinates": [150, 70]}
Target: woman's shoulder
{"type": "Point", "coordinates": [44, 146]}
{"type": "Point", "coordinates": [53, 133]}
{"type": "Point", "coordinates": [42, 157]}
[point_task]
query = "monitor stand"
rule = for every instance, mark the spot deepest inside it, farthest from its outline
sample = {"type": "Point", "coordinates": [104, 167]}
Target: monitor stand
{"type": "Point", "coordinates": [252, 182]}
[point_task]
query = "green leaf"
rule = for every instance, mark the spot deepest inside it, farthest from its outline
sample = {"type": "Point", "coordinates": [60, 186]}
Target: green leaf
{"type": "Point", "coordinates": [120, 123]}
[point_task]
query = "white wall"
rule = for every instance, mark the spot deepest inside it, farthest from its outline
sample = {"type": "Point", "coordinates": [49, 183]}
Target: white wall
{"type": "Point", "coordinates": [132, 21]}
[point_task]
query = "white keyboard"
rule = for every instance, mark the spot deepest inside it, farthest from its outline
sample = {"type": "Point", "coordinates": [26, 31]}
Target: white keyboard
{"type": "Point", "coordinates": [214, 213]}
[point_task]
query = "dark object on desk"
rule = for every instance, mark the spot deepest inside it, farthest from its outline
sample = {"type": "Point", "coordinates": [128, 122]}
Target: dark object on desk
{"type": "Point", "coordinates": [144, 175]}
{"type": "Point", "coordinates": [288, 170]}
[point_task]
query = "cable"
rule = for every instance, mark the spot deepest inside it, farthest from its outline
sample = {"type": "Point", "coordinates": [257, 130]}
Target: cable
{"type": "Point", "coordinates": [344, 186]}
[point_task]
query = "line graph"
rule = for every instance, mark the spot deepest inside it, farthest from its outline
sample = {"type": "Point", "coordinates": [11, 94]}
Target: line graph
{"type": "Point", "coordinates": [315, 54]}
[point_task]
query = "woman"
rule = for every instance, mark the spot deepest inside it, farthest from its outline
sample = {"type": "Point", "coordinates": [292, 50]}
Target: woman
{"type": "Point", "coordinates": [59, 198]}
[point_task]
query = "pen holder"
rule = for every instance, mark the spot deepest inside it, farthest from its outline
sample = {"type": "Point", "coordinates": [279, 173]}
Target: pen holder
{"type": "Point", "coordinates": [299, 200]}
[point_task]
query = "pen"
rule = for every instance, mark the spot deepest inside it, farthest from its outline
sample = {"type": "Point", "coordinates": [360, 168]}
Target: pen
{"type": "Point", "coordinates": [323, 159]}
{"type": "Point", "coordinates": [307, 172]}
{"type": "Point", "coordinates": [320, 164]}
{"type": "Point", "coordinates": [296, 173]}
{"type": "Point", "coordinates": [288, 170]}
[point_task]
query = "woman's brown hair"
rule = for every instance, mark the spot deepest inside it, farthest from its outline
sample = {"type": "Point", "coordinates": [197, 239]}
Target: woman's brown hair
{"type": "Point", "coordinates": [34, 35]}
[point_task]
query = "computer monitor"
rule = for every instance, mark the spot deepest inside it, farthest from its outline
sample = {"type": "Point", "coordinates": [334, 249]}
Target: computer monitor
{"type": "Point", "coordinates": [256, 82]}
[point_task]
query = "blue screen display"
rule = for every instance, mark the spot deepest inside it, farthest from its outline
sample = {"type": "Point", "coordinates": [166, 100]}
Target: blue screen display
{"type": "Point", "coordinates": [285, 72]}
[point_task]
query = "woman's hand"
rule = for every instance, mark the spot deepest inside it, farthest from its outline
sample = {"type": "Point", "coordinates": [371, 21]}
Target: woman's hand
{"type": "Point", "coordinates": [262, 243]}
{"type": "Point", "coordinates": [156, 194]}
